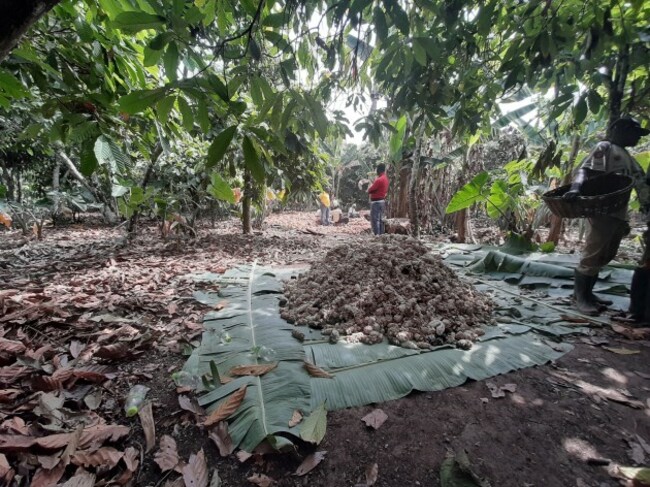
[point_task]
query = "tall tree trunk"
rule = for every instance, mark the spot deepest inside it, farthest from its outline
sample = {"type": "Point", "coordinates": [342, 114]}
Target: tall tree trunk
{"type": "Point", "coordinates": [8, 180]}
{"type": "Point", "coordinates": [413, 185]}
{"type": "Point", "coordinates": [145, 182]}
{"type": "Point", "coordinates": [617, 86]}
{"type": "Point", "coordinates": [56, 176]}
{"type": "Point", "coordinates": [246, 202]}
{"type": "Point", "coordinates": [19, 186]}
{"type": "Point", "coordinates": [557, 223]}
{"type": "Point", "coordinates": [461, 225]}
{"type": "Point", "coordinates": [16, 17]}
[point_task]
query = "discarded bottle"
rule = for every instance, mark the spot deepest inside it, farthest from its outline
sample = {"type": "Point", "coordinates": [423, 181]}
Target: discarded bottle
{"type": "Point", "coordinates": [135, 399]}
{"type": "Point", "coordinates": [183, 378]}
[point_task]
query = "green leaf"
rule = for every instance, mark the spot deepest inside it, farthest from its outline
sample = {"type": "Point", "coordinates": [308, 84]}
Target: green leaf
{"type": "Point", "coordinates": [381, 26]}
{"type": "Point", "coordinates": [151, 56]}
{"type": "Point", "coordinates": [11, 86]}
{"type": "Point", "coordinates": [313, 428]}
{"type": "Point", "coordinates": [219, 146]}
{"type": "Point", "coordinates": [580, 112]}
{"type": "Point", "coordinates": [220, 189]}
{"type": "Point", "coordinates": [276, 19]}
{"type": "Point", "coordinates": [454, 473]}
{"type": "Point", "coordinates": [171, 61]}
{"type": "Point", "coordinates": [165, 107]}
{"type": "Point", "coordinates": [88, 159]}
{"type": "Point", "coordinates": [319, 119]}
{"type": "Point", "coordinates": [469, 194]}
{"type": "Point", "coordinates": [140, 100]}
{"type": "Point", "coordinates": [186, 113]}
{"type": "Point", "coordinates": [252, 160]}
{"type": "Point", "coordinates": [594, 101]}
{"type": "Point", "coordinates": [256, 91]}
{"type": "Point", "coordinates": [499, 201]}
{"type": "Point", "coordinates": [136, 21]}
{"type": "Point", "coordinates": [400, 18]}
{"type": "Point", "coordinates": [397, 139]}
{"type": "Point", "coordinates": [357, 6]}
{"type": "Point", "coordinates": [419, 53]}
{"type": "Point", "coordinates": [203, 117]}
{"type": "Point", "coordinates": [109, 154]}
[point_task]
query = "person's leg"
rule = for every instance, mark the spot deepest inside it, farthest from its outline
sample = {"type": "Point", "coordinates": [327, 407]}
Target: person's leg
{"type": "Point", "coordinates": [327, 216]}
{"type": "Point", "coordinates": [604, 235]}
{"type": "Point", "coordinates": [380, 224]}
{"type": "Point", "coordinates": [323, 210]}
{"type": "Point", "coordinates": [374, 215]}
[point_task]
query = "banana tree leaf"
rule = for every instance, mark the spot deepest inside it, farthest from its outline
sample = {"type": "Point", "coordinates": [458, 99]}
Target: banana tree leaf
{"type": "Point", "coordinates": [391, 378]}
{"type": "Point", "coordinates": [496, 261]}
{"type": "Point", "coordinates": [248, 330]}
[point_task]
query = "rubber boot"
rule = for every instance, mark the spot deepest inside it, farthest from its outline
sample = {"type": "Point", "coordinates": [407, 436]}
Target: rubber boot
{"type": "Point", "coordinates": [582, 294]}
{"type": "Point", "coordinates": [602, 302]}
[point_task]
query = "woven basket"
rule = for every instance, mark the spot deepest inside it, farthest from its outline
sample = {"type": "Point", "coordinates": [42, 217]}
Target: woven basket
{"type": "Point", "coordinates": [601, 195]}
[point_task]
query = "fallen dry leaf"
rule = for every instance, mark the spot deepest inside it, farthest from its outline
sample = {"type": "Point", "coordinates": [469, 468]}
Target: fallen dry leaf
{"type": "Point", "coordinates": [131, 459]}
{"type": "Point", "coordinates": [93, 435]}
{"type": "Point", "coordinates": [106, 456]}
{"type": "Point", "coordinates": [372, 471]}
{"type": "Point", "coordinates": [316, 371]}
{"type": "Point", "coordinates": [11, 347]}
{"type": "Point", "coordinates": [296, 418]}
{"type": "Point", "coordinates": [148, 425]}
{"type": "Point", "coordinates": [81, 478]}
{"type": "Point", "coordinates": [227, 408]}
{"type": "Point", "coordinates": [222, 439]}
{"type": "Point", "coordinates": [195, 473]}
{"type": "Point", "coordinates": [499, 392]}
{"type": "Point", "coordinates": [261, 480]}
{"type": "Point", "coordinates": [190, 404]}
{"type": "Point", "coordinates": [9, 395]}
{"type": "Point", "coordinates": [375, 418]}
{"type": "Point", "coordinates": [167, 456]}
{"type": "Point", "coordinates": [632, 333]}
{"type": "Point", "coordinates": [254, 370]}
{"type": "Point", "coordinates": [76, 347]}
{"type": "Point", "coordinates": [242, 456]}
{"type": "Point", "coordinates": [622, 351]}
{"type": "Point", "coordinates": [47, 478]}
{"type": "Point", "coordinates": [310, 463]}
{"type": "Point", "coordinates": [113, 352]}
{"type": "Point", "coordinates": [72, 445]}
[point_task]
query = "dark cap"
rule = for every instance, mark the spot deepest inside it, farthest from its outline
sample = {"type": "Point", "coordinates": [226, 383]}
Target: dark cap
{"type": "Point", "coordinates": [629, 123]}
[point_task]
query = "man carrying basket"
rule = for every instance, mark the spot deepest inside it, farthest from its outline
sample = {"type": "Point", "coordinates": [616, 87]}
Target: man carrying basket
{"type": "Point", "coordinates": [605, 232]}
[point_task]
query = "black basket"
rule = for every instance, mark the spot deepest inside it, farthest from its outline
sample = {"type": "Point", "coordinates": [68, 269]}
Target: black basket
{"type": "Point", "coordinates": [601, 195]}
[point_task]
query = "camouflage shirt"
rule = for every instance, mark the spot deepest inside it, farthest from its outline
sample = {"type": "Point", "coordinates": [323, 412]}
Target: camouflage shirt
{"type": "Point", "coordinates": [611, 158]}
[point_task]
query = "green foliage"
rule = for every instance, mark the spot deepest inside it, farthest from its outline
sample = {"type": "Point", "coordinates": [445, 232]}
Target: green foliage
{"type": "Point", "coordinates": [220, 189]}
{"type": "Point", "coordinates": [470, 194]}
{"type": "Point", "coordinates": [219, 146]}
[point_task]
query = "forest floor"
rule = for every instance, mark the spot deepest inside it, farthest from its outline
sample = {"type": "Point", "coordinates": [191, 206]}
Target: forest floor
{"type": "Point", "coordinates": [84, 315]}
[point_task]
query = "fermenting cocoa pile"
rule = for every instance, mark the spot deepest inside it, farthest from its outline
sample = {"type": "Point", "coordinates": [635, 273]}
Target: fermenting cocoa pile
{"type": "Point", "coordinates": [392, 287]}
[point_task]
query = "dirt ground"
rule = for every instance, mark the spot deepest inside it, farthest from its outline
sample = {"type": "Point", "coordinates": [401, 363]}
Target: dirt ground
{"type": "Point", "coordinates": [566, 423]}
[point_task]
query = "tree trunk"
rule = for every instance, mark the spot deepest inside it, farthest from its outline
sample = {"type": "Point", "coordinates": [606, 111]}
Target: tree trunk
{"type": "Point", "coordinates": [8, 179]}
{"type": "Point", "coordinates": [246, 203]}
{"type": "Point", "coordinates": [557, 223]}
{"type": "Point", "coordinates": [56, 176]}
{"type": "Point", "coordinates": [617, 86]}
{"type": "Point", "coordinates": [16, 18]}
{"type": "Point", "coordinates": [413, 186]}
{"type": "Point", "coordinates": [145, 181]}
{"type": "Point", "coordinates": [98, 195]}
{"type": "Point", "coordinates": [461, 225]}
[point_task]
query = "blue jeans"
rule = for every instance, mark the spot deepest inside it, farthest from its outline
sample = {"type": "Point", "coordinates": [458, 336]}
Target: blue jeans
{"type": "Point", "coordinates": [376, 216]}
{"type": "Point", "coordinates": [324, 214]}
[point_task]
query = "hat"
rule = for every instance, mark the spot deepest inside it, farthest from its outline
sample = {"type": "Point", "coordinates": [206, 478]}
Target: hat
{"type": "Point", "coordinates": [629, 123]}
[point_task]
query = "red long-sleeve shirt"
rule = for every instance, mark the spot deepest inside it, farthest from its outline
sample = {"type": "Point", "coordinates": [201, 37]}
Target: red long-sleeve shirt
{"type": "Point", "coordinates": [379, 189]}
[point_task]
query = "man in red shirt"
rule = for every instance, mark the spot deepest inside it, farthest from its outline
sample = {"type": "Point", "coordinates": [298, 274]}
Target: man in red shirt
{"type": "Point", "coordinates": [378, 191]}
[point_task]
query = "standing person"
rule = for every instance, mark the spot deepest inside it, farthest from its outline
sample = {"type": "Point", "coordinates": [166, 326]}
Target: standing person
{"type": "Point", "coordinates": [605, 232]}
{"type": "Point", "coordinates": [378, 191]}
{"type": "Point", "coordinates": [325, 207]}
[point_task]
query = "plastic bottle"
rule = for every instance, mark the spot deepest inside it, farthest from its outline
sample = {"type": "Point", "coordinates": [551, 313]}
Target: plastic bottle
{"type": "Point", "coordinates": [135, 399]}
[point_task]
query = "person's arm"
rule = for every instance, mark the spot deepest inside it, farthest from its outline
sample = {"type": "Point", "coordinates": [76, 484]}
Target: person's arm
{"type": "Point", "coordinates": [373, 187]}
{"type": "Point", "coordinates": [596, 156]}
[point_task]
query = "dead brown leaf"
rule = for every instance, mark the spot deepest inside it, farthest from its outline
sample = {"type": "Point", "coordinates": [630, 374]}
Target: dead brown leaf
{"type": "Point", "coordinates": [222, 439]}
{"type": "Point", "coordinates": [632, 333]}
{"type": "Point", "coordinates": [94, 373]}
{"type": "Point", "coordinates": [310, 463]}
{"type": "Point", "coordinates": [316, 371]}
{"type": "Point", "coordinates": [76, 347]}
{"type": "Point", "coordinates": [195, 473]}
{"type": "Point", "coordinates": [190, 404]}
{"type": "Point", "coordinates": [622, 351]}
{"type": "Point", "coordinates": [131, 459]}
{"type": "Point", "coordinates": [296, 418]}
{"type": "Point", "coordinates": [48, 478]}
{"type": "Point", "coordinates": [254, 370]}
{"type": "Point", "coordinates": [113, 352]}
{"type": "Point", "coordinates": [81, 478]}
{"type": "Point", "coordinates": [375, 418]}
{"type": "Point", "coordinates": [261, 480]}
{"type": "Point", "coordinates": [148, 426]}
{"type": "Point", "coordinates": [11, 347]}
{"type": "Point", "coordinates": [72, 445]}
{"type": "Point", "coordinates": [167, 456]}
{"type": "Point", "coordinates": [242, 456]}
{"type": "Point", "coordinates": [227, 408]}
{"type": "Point", "coordinates": [372, 471]}
{"type": "Point", "coordinates": [9, 395]}
{"type": "Point", "coordinates": [106, 455]}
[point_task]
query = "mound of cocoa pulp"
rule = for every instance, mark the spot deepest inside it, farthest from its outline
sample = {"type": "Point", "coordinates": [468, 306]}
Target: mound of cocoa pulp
{"type": "Point", "coordinates": [390, 286]}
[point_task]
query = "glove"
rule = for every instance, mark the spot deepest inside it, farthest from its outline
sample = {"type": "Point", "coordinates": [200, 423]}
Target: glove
{"type": "Point", "coordinates": [571, 195]}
